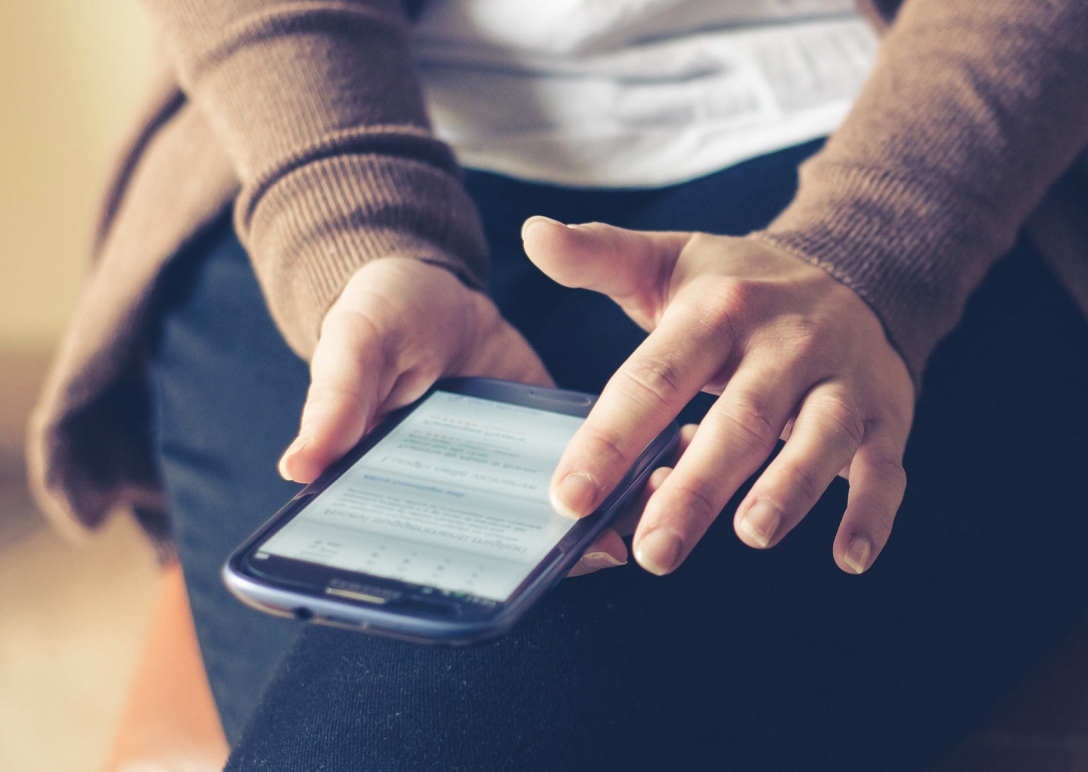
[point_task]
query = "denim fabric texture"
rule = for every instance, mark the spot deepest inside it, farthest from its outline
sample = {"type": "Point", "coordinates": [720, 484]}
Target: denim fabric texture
{"type": "Point", "coordinates": [741, 660]}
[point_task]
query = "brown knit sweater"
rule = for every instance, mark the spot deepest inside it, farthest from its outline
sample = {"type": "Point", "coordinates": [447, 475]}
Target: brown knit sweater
{"type": "Point", "coordinates": [308, 115]}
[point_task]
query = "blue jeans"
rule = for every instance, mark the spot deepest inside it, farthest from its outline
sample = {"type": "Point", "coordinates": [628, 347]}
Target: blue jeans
{"type": "Point", "coordinates": [741, 660]}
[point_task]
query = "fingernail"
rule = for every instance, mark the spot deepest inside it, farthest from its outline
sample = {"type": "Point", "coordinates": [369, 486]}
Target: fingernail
{"type": "Point", "coordinates": [857, 554]}
{"type": "Point", "coordinates": [760, 522]}
{"type": "Point", "coordinates": [535, 219]}
{"type": "Point", "coordinates": [659, 551]}
{"type": "Point", "coordinates": [595, 561]}
{"type": "Point", "coordinates": [576, 496]}
{"type": "Point", "coordinates": [292, 449]}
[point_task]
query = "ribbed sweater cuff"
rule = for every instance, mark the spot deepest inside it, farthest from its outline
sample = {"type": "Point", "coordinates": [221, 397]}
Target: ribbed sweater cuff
{"type": "Point", "coordinates": [319, 107]}
{"type": "Point", "coordinates": [316, 226]}
{"type": "Point", "coordinates": [912, 255]}
{"type": "Point", "coordinates": [972, 111]}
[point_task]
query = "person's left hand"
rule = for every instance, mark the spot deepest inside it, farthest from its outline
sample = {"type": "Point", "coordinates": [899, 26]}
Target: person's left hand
{"type": "Point", "coordinates": [790, 350]}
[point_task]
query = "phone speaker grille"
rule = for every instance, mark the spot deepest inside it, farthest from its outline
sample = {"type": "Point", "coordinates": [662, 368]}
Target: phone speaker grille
{"type": "Point", "coordinates": [354, 595]}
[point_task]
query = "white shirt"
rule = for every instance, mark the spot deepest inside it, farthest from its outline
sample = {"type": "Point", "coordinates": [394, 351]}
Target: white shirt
{"type": "Point", "coordinates": [636, 93]}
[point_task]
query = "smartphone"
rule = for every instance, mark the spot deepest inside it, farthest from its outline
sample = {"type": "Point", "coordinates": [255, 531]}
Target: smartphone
{"type": "Point", "coordinates": [436, 527]}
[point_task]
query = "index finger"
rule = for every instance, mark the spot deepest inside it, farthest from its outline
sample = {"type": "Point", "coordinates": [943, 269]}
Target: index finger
{"type": "Point", "coordinates": [669, 368]}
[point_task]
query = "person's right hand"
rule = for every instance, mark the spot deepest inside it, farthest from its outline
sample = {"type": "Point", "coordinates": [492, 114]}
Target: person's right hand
{"type": "Point", "coordinates": [398, 326]}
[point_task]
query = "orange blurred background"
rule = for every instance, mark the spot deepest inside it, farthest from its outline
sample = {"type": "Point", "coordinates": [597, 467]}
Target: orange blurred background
{"type": "Point", "coordinates": [72, 617]}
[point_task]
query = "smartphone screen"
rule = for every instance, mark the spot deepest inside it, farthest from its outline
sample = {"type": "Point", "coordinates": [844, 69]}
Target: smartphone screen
{"type": "Point", "coordinates": [455, 497]}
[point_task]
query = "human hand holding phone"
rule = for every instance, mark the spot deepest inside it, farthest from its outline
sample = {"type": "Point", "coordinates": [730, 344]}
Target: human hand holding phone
{"type": "Point", "coordinates": [791, 352]}
{"type": "Point", "coordinates": [436, 527]}
{"type": "Point", "coordinates": [398, 326]}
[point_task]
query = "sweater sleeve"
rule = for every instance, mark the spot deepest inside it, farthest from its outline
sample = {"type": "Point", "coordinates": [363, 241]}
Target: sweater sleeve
{"type": "Point", "coordinates": [973, 110]}
{"type": "Point", "coordinates": [319, 108]}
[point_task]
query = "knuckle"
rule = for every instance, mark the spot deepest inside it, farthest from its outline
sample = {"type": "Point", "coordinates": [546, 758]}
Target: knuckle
{"type": "Point", "coordinates": [801, 343]}
{"type": "Point", "coordinates": [803, 481]}
{"type": "Point", "coordinates": [693, 501]}
{"type": "Point", "coordinates": [329, 394]}
{"type": "Point", "coordinates": [751, 421]}
{"type": "Point", "coordinates": [328, 405]}
{"type": "Point", "coordinates": [606, 447]}
{"type": "Point", "coordinates": [842, 419]}
{"type": "Point", "coordinates": [889, 471]}
{"type": "Point", "coordinates": [893, 418]}
{"type": "Point", "coordinates": [657, 382]}
{"type": "Point", "coordinates": [807, 340]}
{"type": "Point", "coordinates": [728, 303]}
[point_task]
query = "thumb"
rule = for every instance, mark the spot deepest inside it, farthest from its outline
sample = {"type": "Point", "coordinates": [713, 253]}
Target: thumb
{"type": "Point", "coordinates": [626, 265]}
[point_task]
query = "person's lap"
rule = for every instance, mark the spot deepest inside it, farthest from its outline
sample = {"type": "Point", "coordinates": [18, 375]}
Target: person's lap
{"type": "Point", "coordinates": [757, 660]}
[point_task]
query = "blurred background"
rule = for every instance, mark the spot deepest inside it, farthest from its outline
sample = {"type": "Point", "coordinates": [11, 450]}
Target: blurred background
{"type": "Point", "coordinates": [72, 617]}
